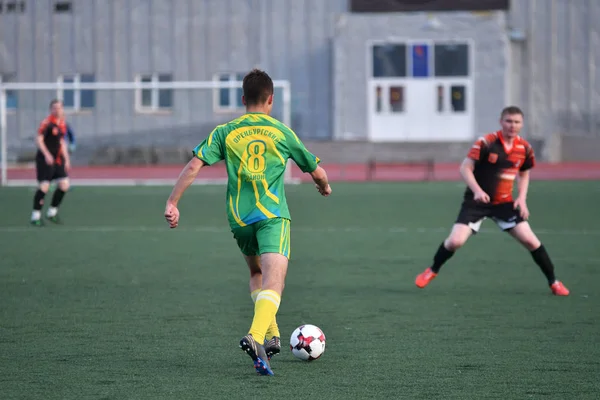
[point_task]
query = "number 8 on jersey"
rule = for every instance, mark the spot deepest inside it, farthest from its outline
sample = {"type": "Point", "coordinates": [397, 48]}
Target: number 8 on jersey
{"type": "Point", "coordinates": [256, 163]}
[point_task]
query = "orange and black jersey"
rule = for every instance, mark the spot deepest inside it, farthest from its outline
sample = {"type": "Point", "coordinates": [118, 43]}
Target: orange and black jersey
{"type": "Point", "coordinates": [496, 166]}
{"type": "Point", "coordinates": [53, 130]}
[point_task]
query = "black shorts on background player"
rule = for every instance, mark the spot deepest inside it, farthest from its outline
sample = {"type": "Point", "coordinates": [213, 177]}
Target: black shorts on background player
{"type": "Point", "coordinates": [48, 173]}
{"type": "Point", "coordinates": [473, 213]}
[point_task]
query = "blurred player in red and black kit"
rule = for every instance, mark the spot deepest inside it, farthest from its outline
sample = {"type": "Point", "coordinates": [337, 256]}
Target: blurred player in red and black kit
{"type": "Point", "coordinates": [52, 163]}
{"type": "Point", "coordinates": [489, 170]}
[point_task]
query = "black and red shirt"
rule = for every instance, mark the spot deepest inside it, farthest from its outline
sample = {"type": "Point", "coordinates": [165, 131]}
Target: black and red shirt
{"type": "Point", "coordinates": [53, 130]}
{"type": "Point", "coordinates": [497, 166]}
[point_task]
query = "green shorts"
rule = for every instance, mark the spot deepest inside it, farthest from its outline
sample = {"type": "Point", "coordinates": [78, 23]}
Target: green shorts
{"type": "Point", "coordinates": [266, 236]}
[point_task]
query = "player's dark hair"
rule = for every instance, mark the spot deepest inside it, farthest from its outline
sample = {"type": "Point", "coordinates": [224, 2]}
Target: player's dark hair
{"type": "Point", "coordinates": [258, 86]}
{"type": "Point", "coordinates": [53, 102]}
{"type": "Point", "coordinates": [511, 110]}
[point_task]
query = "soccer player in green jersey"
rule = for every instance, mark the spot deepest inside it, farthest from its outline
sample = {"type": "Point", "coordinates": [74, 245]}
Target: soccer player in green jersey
{"type": "Point", "coordinates": [255, 148]}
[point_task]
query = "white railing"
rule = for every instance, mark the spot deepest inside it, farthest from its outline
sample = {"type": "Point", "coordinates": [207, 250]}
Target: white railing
{"type": "Point", "coordinates": [136, 85]}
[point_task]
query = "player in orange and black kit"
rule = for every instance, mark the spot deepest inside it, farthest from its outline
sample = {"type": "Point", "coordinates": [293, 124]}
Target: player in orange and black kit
{"type": "Point", "coordinates": [52, 163]}
{"type": "Point", "coordinates": [490, 169]}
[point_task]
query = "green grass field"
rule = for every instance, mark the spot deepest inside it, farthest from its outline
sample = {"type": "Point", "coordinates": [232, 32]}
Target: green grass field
{"type": "Point", "coordinates": [114, 305]}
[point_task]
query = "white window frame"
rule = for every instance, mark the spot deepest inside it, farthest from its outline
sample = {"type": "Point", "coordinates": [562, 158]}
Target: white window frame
{"type": "Point", "coordinates": [76, 92]}
{"type": "Point", "coordinates": [10, 109]}
{"type": "Point", "coordinates": [154, 106]}
{"type": "Point", "coordinates": [233, 106]}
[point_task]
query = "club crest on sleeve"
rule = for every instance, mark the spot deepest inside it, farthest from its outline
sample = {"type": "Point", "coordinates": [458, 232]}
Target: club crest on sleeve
{"type": "Point", "coordinates": [492, 158]}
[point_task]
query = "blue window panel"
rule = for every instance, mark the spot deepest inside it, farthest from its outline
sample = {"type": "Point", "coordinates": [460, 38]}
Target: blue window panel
{"type": "Point", "coordinates": [224, 92]}
{"type": "Point", "coordinates": [88, 97]}
{"type": "Point", "coordinates": [146, 93]}
{"type": "Point", "coordinates": [11, 100]}
{"type": "Point", "coordinates": [451, 60]}
{"type": "Point", "coordinates": [389, 60]}
{"type": "Point", "coordinates": [165, 96]}
{"type": "Point", "coordinates": [68, 95]}
{"type": "Point", "coordinates": [420, 61]}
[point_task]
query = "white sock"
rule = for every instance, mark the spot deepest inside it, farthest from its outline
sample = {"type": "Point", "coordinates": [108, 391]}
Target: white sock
{"type": "Point", "coordinates": [52, 211]}
{"type": "Point", "coordinates": [35, 215]}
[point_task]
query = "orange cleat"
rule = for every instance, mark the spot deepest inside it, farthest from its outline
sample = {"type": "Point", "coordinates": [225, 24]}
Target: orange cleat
{"type": "Point", "coordinates": [427, 276]}
{"type": "Point", "coordinates": [559, 289]}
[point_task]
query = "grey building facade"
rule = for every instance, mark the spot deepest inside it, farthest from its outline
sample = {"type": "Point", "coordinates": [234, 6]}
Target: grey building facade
{"type": "Point", "coordinates": [121, 40]}
{"type": "Point", "coordinates": [542, 55]}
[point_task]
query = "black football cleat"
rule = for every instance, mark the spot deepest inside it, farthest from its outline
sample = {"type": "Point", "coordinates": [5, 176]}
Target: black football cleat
{"type": "Point", "coordinates": [257, 353]}
{"type": "Point", "coordinates": [273, 347]}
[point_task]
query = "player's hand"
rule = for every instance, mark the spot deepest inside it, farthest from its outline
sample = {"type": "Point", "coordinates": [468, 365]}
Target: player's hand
{"type": "Point", "coordinates": [521, 205]}
{"type": "Point", "coordinates": [49, 160]}
{"type": "Point", "coordinates": [326, 191]}
{"type": "Point", "coordinates": [172, 215]}
{"type": "Point", "coordinates": [482, 196]}
{"type": "Point", "coordinates": [68, 165]}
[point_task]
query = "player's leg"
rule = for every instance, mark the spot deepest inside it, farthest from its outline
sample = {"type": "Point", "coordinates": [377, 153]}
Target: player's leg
{"type": "Point", "coordinates": [246, 241]}
{"type": "Point", "coordinates": [524, 234]}
{"type": "Point", "coordinates": [62, 187]}
{"type": "Point", "coordinates": [255, 283]}
{"type": "Point", "coordinates": [38, 202]}
{"type": "Point", "coordinates": [248, 244]}
{"type": "Point", "coordinates": [264, 324]}
{"type": "Point", "coordinates": [273, 344]}
{"type": "Point", "coordinates": [273, 238]}
{"type": "Point", "coordinates": [468, 222]}
{"type": "Point", "coordinates": [44, 173]}
{"type": "Point", "coordinates": [271, 282]}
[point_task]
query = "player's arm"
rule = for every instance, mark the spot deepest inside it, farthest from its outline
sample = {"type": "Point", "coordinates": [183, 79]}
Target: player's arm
{"type": "Point", "coordinates": [71, 137]}
{"type": "Point", "coordinates": [185, 179]}
{"type": "Point", "coordinates": [477, 153]}
{"type": "Point", "coordinates": [521, 201]}
{"type": "Point", "coordinates": [307, 162]}
{"type": "Point", "coordinates": [467, 169]}
{"type": "Point", "coordinates": [523, 184]}
{"type": "Point", "coordinates": [210, 151]}
{"type": "Point", "coordinates": [65, 152]}
{"type": "Point", "coordinates": [319, 176]}
{"type": "Point", "coordinates": [39, 141]}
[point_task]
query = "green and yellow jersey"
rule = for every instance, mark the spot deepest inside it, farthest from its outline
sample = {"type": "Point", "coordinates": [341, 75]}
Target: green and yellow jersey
{"type": "Point", "coordinates": [255, 148]}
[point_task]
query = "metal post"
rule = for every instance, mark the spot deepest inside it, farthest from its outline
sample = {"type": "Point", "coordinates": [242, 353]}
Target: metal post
{"type": "Point", "coordinates": [3, 137]}
{"type": "Point", "coordinates": [287, 120]}
{"type": "Point", "coordinates": [287, 104]}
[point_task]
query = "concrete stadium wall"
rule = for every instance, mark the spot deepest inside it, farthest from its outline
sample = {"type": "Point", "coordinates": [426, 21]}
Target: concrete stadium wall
{"type": "Point", "coordinates": [580, 148]}
{"type": "Point", "coordinates": [555, 70]}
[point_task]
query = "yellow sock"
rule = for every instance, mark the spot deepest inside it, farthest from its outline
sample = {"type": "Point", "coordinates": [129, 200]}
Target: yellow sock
{"type": "Point", "coordinates": [273, 329]}
{"type": "Point", "coordinates": [267, 304]}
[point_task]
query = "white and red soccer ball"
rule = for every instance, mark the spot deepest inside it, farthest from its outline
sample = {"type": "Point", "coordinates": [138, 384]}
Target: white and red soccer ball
{"type": "Point", "coordinates": [307, 342]}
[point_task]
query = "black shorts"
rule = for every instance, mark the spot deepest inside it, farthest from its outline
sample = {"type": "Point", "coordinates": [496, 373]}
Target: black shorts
{"type": "Point", "coordinates": [473, 213]}
{"type": "Point", "coordinates": [48, 173]}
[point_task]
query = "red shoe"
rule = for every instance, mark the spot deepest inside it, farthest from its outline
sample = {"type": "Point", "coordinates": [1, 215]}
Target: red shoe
{"type": "Point", "coordinates": [559, 289]}
{"type": "Point", "coordinates": [424, 278]}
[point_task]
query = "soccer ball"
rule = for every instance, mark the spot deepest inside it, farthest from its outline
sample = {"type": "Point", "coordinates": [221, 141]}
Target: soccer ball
{"type": "Point", "coordinates": [307, 342]}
